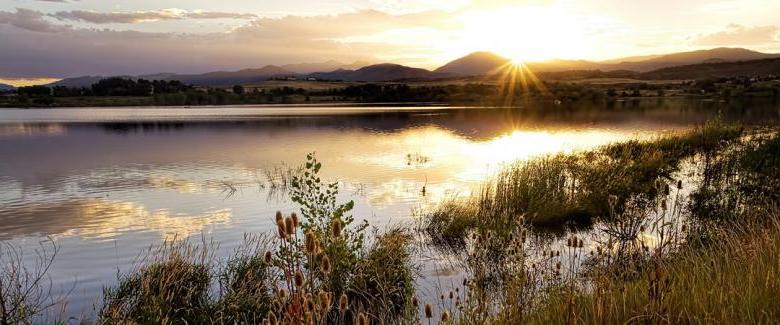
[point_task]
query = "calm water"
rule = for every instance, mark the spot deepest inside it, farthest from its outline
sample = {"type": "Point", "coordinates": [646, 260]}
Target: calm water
{"type": "Point", "coordinates": [107, 183]}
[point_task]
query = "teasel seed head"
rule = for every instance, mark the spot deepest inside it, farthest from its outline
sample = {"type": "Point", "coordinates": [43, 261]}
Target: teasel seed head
{"type": "Point", "coordinates": [289, 227]}
{"type": "Point", "coordinates": [294, 217]}
{"type": "Point", "coordinates": [282, 232]}
{"type": "Point", "coordinates": [268, 257]}
{"type": "Point", "coordinates": [282, 294]}
{"type": "Point", "coordinates": [362, 319]}
{"type": "Point", "coordinates": [310, 242]}
{"type": "Point", "coordinates": [415, 303]}
{"type": "Point", "coordinates": [335, 228]}
{"type": "Point", "coordinates": [278, 217]}
{"type": "Point", "coordinates": [343, 302]}
{"type": "Point", "coordinates": [299, 279]}
{"type": "Point", "coordinates": [445, 316]}
{"type": "Point", "coordinates": [679, 184]}
{"type": "Point", "coordinates": [325, 299]}
{"type": "Point", "coordinates": [428, 311]}
{"type": "Point", "coordinates": [325, 266]}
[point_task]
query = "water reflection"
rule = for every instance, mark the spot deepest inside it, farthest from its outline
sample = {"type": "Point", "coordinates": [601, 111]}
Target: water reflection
{"type": "Point", "coordinates": [101, 219]}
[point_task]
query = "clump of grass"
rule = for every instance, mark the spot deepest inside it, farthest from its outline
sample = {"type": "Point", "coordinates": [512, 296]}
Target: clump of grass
{"type": "Point", "coordinates": [292, 277]}
{"type": "Point", "coordinates": [574, 189]}
{"type": "Point", "coordinates": [25, 289]}
{"type": "Point", "coordinates": [173, 287]}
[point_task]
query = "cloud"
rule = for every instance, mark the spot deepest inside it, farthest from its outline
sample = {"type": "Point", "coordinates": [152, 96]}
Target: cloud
{"type": "Point", "coordinates": [71, 51]}
{"type": "Point", "coordinates": [135, 17]}
{"type": "Point", "coordinates": [735, 34]}
{"type": "Point", "coordinates": [29, 20]}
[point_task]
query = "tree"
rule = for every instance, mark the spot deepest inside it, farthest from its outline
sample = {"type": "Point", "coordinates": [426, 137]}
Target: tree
{"type": "Point", "coordinates": [238, 90]}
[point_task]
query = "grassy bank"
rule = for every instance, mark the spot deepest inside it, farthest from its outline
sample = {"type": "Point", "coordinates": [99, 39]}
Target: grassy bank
{"type": "Point", "coordinates": [718, 265]}
{"type": "Point", "coordinates": [556, 190]}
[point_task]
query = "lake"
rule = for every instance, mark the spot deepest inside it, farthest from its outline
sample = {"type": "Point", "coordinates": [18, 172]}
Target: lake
{"type": "Point", "coordinates": [105, 184]}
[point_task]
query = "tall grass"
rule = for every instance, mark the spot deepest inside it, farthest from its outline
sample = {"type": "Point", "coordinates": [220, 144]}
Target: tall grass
{"type": "Point", "coordinates": [556, 190]}
{"type": "Point", "coordinates": [707, 269]}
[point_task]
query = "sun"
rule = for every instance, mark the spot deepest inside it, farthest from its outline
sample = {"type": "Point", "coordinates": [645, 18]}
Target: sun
{"type": "Point", "coordinates": [524, 33]}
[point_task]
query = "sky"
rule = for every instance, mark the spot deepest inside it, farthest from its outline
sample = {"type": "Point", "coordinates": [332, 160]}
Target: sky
{"type": "Point", "coordinates": [66, 38]}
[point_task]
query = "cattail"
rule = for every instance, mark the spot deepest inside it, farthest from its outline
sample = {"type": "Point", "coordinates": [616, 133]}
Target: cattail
{"type": "Point", "coordinates": [294, 217]}
{"type": "Point", "coordinates": [343, 302]}
{"type": "Point", "coordinates": [309, 242]}
{"type": "Point", "coordinates": [278, 217]}
{"type": "Point", "coordinates": [452, 295]}
{"type": "Point", "coordinates": [362, 319]}
{"type": "Point", "coordinates": [428, 311]}
{"type": "Point", "coordinates": [289, 227]}
{"type": "Point", "coordinates": [268, 257]}
{"type": "Point", "coordinates": [299, 279]}
{"type": "Point", "coordinates": [580, 244]}
{"type": "Point", "coordinates": [445, 316]}
{"type": "Point", "coordinates": [325, 266]}
{"type": "Point", "coordinates": [679, 184]}
{"type": "Point", "coordinates": [666, 189]}
{"type": "Point", "coordinates": [336, 228]}
{"type": "Point", "coordinates": [272, 318]}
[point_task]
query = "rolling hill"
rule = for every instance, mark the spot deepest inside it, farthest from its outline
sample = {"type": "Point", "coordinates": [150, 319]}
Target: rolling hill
{"type": "Point", "coordinates": [5, 87]}
{"type": "Point", "coordinates": [474, 64]}
{"type": "Point", "coordinates": [722, 54]}
{"type": "Point", "coordinates": [716, 70]}
{"type": "Point", "coordinates": [379, 72]}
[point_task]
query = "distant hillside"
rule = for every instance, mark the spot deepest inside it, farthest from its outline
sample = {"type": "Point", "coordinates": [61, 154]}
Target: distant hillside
{"type": "Point", "coordinates": [332, 65]}
{"type": "Point", "coordinates": [225, 78]}
{"type": "Point", "coordinates": [379, 72]}
{"type": "Point", "coordinates": [716, 70]}
{"type": "Point", "coordinates": [474, 64]}
{"type": "Point", "coordinates": [722, 54]}
{"type": "Point", "coordinates": [218, 78]}
{"type": "Point", "coordinates": [5, 87]}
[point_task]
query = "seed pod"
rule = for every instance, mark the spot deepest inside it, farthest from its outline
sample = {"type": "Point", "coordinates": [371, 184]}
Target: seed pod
{"type": "Point", "coordinates": [679, 184]}
{"type": "Point", "coordinates": [289, 227]}
{"type": "Point", "coordinates": [278, 217]}
{"type": "Point", "coordinates": [362, 319]}
{"type": "Point", "coordinates": [445, 316]}
{"type": "Point", "coordinates": [282, 294]}
{"type": "Point", "coordinates": [294, 217]}
{"type": "Point", "coordinates": [336, 228]}
{"type": "Point", "coordinates": [282, 232]}
{"type": "Point", "coordinates": [325, 266]}
{"type": "Point", "coordinates": [309, 242]}
{"type": "Point", "coordinates": [299, 279]}
{"type": "Point", "coordinates": [415, 303]}
{"type": "Point", "coordinates": [324, 300]}
{"type": "Point", "coordinates": [268, 258]}
{"type": "Point", "coordinates": [343, 302]}
{"type": "Point", "coordinates": [428, 311]}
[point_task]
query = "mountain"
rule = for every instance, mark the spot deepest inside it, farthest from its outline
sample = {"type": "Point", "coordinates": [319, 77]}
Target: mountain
{"type": "Point", "coordinates": [217, 78]}
{"type": "Point", "coordinates": [379, 72]}
{"type": "Point", "coordinates": [225, 78]}
{"type": "Point", "coordinates": [5, 87]}
{"type": "Point", "coordinates": [721, 54]}
{"type": "Point", "coordinates": [716, 70]}
{"type": "Point", "coordinates": [78, 82]}
{"type": "Point", "coordinates": [332, 65]}
{"type": "Point", "coordinates": [474, 64]}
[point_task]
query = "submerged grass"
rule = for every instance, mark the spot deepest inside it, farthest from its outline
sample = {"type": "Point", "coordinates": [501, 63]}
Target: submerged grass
{"type": "Point", "coordinates": [709, 269]}
{"type": "Point", "coordinates": [555, 190]}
